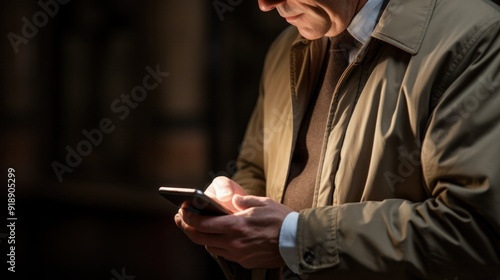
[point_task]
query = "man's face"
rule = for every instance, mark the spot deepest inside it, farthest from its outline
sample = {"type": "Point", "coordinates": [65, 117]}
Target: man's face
{"type": "Point", "coordinates": [316, 18]}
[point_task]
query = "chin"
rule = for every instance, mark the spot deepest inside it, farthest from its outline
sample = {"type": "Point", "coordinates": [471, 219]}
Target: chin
{"type": "Point", "coordinates": [310, 34]}
{"type": "Point", "coordinates": [315, 30]}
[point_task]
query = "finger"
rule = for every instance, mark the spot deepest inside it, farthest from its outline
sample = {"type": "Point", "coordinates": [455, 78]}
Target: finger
{"type": "Point", "coordinates": [204, 239]}
{"type": "Point", "coordinates": [235, 187]}
{"type": "Point", "coordinates": [217, 188]}
{"type": "Point", "coordinates": [178, 220]}
{"type": "Point", "coordinates": [223, 188]}
{"type": "Point", "coordinates": [249, 201]}
{"type": "Point", "coordinates": [198, 237]}
{"type": "Point", "coordinates": [205, 224]}
{"type": "Point", "coordinates": [182, 222]}
{"type": "Point", "coordinates": [220, 252]}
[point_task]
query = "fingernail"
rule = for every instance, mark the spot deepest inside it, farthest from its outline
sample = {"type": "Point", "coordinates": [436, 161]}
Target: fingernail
{"type": "Point", "coordinates": [224, 193]}
{"type": "Point", "coordinates": [224, 196]}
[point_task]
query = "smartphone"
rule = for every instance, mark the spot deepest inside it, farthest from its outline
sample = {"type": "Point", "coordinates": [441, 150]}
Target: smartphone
{"type": "Point", "coordinates": [193, 200]}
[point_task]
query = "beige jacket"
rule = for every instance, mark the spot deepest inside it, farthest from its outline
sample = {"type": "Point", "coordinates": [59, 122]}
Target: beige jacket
{"type": "Point", "coordinates": [409, 183]}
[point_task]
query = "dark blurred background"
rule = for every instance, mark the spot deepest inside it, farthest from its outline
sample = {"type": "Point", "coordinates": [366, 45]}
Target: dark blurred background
{"type": "Point", "coordinates": [67, 66]}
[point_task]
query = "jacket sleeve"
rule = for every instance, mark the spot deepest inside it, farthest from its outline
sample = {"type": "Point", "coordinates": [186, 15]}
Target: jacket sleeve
{"type": "Point", "coordinates": [251, 163]}
{"type": "Point", "coordinates": [455, 234]}
{"type": "Point", "coordinates": [250, 167]}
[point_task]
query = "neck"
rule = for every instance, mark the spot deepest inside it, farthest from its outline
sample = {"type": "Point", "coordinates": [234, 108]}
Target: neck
{"type": "Point", "coordinates": [361, 4]}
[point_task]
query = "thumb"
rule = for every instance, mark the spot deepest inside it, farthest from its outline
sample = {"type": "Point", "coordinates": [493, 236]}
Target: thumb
{"type": "Point", "coordinates": [223, 189]}
{"type": "Point", "coordinates": [247, 201]}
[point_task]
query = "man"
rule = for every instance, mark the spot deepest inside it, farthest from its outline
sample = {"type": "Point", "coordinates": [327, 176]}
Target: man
{"type": "Point", "coordinates": [388, 168]}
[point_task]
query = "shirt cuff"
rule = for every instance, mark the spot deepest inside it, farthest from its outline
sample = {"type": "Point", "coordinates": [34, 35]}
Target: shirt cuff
{"type": "Point", "coordinates": [288, 243]}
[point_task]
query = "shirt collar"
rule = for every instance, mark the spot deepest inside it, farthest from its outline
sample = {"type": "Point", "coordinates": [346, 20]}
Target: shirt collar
{"type": "Point", "coordinates": [363, 23]}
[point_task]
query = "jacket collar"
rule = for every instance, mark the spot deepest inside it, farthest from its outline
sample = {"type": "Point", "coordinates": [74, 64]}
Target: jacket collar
{"type": "Point", "coordinates": [404, 23]}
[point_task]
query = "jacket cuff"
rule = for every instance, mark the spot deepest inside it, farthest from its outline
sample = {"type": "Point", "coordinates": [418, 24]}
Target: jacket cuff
{"type": "Point", "coordinates": [317, 239]}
